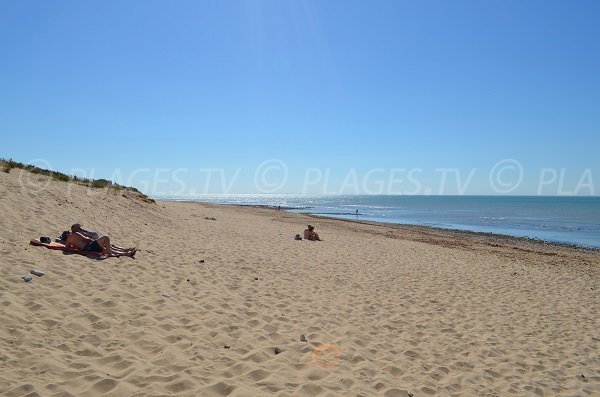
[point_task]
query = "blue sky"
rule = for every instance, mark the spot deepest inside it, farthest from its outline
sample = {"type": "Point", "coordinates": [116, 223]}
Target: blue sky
{"type": "Point", "coordinates": [332, 87]}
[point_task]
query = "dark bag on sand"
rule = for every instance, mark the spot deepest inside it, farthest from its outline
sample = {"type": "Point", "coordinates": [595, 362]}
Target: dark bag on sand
{"type": "Point", "coordinates": [45, 240]}
{"type": "Point", "coordinates": [63, 237]}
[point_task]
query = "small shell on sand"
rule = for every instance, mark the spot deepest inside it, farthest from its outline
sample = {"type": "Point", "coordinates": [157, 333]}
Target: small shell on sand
{"type": "Point", "coordinates": [27, 278]}
{"type": "Point", "coordinates": [36, 272]}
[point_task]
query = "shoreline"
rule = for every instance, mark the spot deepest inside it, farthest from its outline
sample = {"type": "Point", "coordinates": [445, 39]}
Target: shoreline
{"type": "Point", "coordinates": [478, 236]}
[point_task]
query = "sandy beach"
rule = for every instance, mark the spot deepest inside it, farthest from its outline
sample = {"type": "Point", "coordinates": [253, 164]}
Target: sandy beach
{"type": "Point", "coordinates": [218, 297]}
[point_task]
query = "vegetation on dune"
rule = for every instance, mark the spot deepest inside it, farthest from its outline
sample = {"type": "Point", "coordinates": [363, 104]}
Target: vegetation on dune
{"type": "Point", "coordinates": [8, 165]}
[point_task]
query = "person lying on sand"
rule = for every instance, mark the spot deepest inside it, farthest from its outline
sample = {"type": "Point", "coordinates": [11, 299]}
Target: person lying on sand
{"type": "Point", "coordinates": [310, 234]}
{"type": "Point", "coordinates": [76, 228]}
{"type": "Point", "coordinates": [101, 245]}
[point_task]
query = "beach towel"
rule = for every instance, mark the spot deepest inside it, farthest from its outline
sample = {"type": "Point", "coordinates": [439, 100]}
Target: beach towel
{"type": "Point", "coordinates": [62, 247]}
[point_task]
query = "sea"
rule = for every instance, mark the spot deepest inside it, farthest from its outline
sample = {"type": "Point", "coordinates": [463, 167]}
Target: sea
{"type": "Point", "coordinates": [569, 220]}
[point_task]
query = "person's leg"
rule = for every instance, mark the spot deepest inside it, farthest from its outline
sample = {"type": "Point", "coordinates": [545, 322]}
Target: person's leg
{"type": "Point", "coordinates": [120, 248]}
{"type": "Point", "coordinates": [104, 242]}
{"type": "Point", "coordinates": [121, 252]}
{"type": "Point", "coordinates": [118, 251]}
{"type": "Point", "coordinates": [117, 248]}
{"type": "Point", "coordinates": [107, 248]}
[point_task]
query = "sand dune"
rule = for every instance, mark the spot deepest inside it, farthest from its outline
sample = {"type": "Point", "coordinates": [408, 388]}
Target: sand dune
{"type": "Point", "coordinates": [385, 311]}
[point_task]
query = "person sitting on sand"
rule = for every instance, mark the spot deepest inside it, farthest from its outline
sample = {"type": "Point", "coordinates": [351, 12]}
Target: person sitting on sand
{"type": "Point", "coordinates": [310, 234]}
{"type": "Point", "coordinates": [101, 245]}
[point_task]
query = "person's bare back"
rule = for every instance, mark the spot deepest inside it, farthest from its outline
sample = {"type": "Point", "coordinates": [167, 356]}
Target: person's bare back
{"type": "Point", "coordinates": [77, 241]}
{"type": "Point", "coordinates": [310, 234]}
